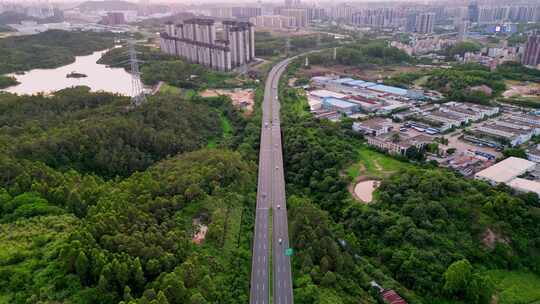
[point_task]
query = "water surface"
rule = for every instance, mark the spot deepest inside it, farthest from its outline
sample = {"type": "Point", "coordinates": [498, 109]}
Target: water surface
{"type": "Point", "coordinates": [99, 77]}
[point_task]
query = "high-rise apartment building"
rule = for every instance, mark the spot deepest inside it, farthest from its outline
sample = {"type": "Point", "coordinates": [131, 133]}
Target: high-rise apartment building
{"type": "Point", "coordinates": [378, 17]}
{"type": "Point", "coordinates": [195, 41]}
{"type": "Point", "coordinates": [473, 11]}
{"type": "Point", "coordinates": [425, 23]}
{"type": "Point", "coordinates": [422, 23]}
{"type": "Point", "coordinates": [273, 21]}
{"type": "Point", "coordinates": [235, 12]}
{"type": "Point", "coordinates": [531, 56]}
{"type": "Point", "coordinates": [298, 15]}
{"type": "Point", "coordinates": [292, 3]}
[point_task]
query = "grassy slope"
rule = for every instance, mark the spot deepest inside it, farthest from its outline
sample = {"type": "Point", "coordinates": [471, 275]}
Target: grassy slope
{"type": "Point", "coordinates": [515, 287]}
{"type": "Point", "coordinates": [374, 164]}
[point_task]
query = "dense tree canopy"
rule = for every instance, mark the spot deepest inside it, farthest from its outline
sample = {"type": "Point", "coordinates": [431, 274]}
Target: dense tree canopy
{"type": "Point", "coordinates": [49, 49]}
{"type": "Point", "coordinates": [107, 140]}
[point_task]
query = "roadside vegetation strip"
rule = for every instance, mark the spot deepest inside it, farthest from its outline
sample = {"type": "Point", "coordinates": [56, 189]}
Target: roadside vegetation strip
{"type": "Point", "coordinates": [234, 216]}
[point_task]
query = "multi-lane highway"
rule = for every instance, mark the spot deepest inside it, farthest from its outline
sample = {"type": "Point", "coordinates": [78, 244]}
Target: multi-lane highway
{"type": "Point", "coordinates": [271, 204]}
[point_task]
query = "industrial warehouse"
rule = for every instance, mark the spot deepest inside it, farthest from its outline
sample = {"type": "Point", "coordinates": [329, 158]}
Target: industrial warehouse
{"type": "Point", "coordinates": [195, 41]}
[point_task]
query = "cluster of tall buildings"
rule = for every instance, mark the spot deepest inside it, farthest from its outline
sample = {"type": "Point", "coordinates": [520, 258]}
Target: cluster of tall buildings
{"type": "Point", "coordinates": [195, 41]}
{"type": "Point", "coordinates": [496, 13]}
{"type": "Point", "coordinates": [531, 56]}
{"type": "Point", "coordinates": [235, 12]}
{"type": "Point", "coordinates": [290, 15]}
{"type": "Point", "coordinates": [376, 17]}
{"type": "Point", "coordinates": [422, 23]}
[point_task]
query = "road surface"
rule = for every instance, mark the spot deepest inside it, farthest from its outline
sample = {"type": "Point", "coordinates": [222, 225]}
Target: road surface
{"type": "Point", "coordinates": [271, 199]}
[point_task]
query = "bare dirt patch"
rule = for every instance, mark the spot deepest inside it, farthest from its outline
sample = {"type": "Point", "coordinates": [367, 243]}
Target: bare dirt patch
{"type": "Point", "coordinates": [490, 238]}
{"type": "Point", "coordinates": [364, 190]}
{"type": "Point", "coordinates": [200, 231]}
{"type": "Point", "coordinates": [521, 89]}
{"type": "Point", "coordinates": [241, 98]}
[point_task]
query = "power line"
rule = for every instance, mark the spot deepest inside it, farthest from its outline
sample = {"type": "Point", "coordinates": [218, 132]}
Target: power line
{"type": "Point", "coordinates": [137, 91]}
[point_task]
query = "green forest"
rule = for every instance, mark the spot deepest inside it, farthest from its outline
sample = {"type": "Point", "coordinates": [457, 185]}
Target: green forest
{"type": "Point", "coordinates": [456, 82]}
{"type": "Point", "coordinates": [362, 53]}
{"type": "Point", "coordinates": [99, 201]}
{"type": "Point", "coordinates": [49, 49]}
{"type": "Point", "coordinates": [7, 81]}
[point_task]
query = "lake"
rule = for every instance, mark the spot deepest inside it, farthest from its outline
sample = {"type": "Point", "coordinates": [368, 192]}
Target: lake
{"type": "Point", "coordinates": [100, 77]}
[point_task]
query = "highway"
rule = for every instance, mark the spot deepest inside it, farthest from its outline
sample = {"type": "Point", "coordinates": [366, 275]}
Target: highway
{"type": "Point", "coordinates": [271, 203]}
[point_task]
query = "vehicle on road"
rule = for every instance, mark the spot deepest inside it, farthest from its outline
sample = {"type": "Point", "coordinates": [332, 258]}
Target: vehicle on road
{"type": "Point", "coordinates": [280, 240]}
{"type": "Point", "coordinates": [279, 206]}
{"type": "Point", "coordinates": [266, 125]}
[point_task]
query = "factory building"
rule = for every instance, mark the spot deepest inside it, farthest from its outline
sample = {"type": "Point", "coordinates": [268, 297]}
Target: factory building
{"type": "Point", "coordinates": [195, 41]}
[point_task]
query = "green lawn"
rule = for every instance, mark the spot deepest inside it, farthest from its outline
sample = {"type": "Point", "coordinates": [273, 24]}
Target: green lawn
{"type": "Point", "coordinates": [226, 125]}
{"type": "Point", "coordinates": [374, 164]}
{"type": "Point", "coordinates": [227, 132]}
{"type": "Point", "coordinates": [169, 89]}
{"type": "Point", "coordinates": [515, 287]}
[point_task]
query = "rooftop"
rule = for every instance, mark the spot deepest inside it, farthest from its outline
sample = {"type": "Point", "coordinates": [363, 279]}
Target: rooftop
{"type": "Point", "coordinates": [326, 93]}
{"type": "Point", "coordinates": [497, 127]}
{"type": "Point", "coordinates": [506, 170]}
{"type": "Point", "coordinates": [525, 185]}
{"type": "Point", "coordinates": [388, 89]}
{"type": "Point", "coordinates": [367, 84]}
{"type": "Point", "coordinates": [392, 297]}
{"type": "Point", "coordinates": [342, 80]}
{"type": "Point", "coordinates": [354, 82]}
{"type": "Point", "coordinates": [339, 102]}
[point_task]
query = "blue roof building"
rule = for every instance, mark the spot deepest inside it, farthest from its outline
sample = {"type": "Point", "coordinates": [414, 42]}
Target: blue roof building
{"type": "Point", "coordinates": [367, 84]}
{"type": "Point", "coordinates": [354, 83]}
{"type": "Point", "coordinates": [340, 105]}
{"type": "Point", "coordinates": [388, 89]}
{"type": "Point", "coordinates": [342, 80]}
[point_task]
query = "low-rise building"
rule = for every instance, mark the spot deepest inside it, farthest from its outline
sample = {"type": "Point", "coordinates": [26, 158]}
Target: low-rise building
{"type": "Point", "coordinates": [471, 111]}
{"type": "Point", "coordinates": [530, 119]}
{"type": "Point", "coordinates": [373, 127]}
{"type": "Point", "coordinates": [534, 154]}
{"type": "Point", "coordinates": [320, 95]}
{"type": "Point", "coordinates": [339, 105]}
{"type": "Point", "coordinates": [398, 144]}
{"type": "Point", "coordinates": [514, 136]}
{"type": "Point", "coordinates": [505, 171]}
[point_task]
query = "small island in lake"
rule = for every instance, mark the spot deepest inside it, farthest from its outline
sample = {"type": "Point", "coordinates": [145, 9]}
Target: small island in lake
{"type": "Point", "coordinates": [76, 75]}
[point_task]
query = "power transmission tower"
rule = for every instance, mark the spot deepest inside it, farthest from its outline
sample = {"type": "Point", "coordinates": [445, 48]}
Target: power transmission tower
{"type": "Point", "coordinates": [137, 92]}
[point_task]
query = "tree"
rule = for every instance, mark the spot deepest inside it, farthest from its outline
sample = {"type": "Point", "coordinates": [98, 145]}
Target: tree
{"type": "Point", "coordinates": [396, 138]}
{"type": "Point", "coordinates": [329, 280]}
{"type": "Point", "coordinates": [82, 267]}
{"type": "Point", "coordinates": [137, 274]}
{"type": "Point", "coordinates": [197, 298]}
{"type": "Point", "coordinates": [457, 277]}
{"type": "Point", "coordinates": [515, 152]}
{"type": "Point", "coordinates": [161, 298]}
